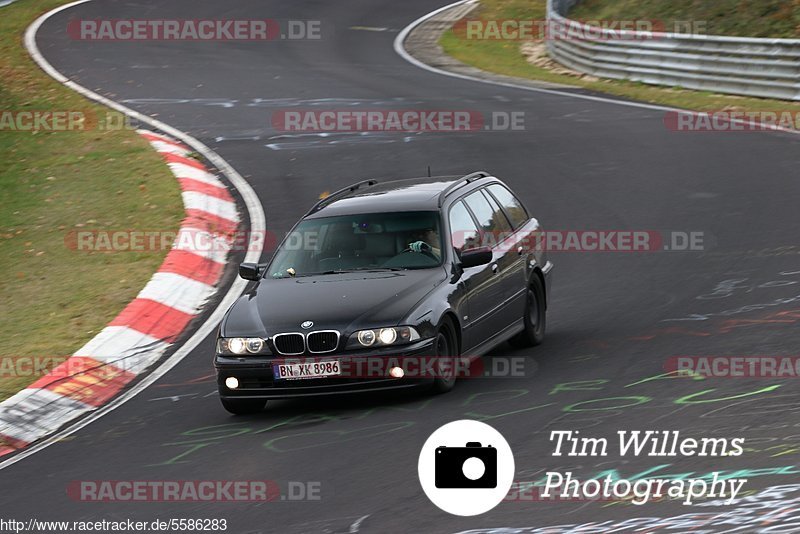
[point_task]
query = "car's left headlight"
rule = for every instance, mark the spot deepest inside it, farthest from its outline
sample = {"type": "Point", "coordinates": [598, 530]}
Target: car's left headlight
{"type": "Point", "coordinates": [382, 337]}
{"type": "Point", "coordinates": [240, 346]}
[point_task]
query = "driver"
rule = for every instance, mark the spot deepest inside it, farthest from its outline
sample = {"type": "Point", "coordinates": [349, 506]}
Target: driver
{"type": "Point", "coordinates": [425, 241]}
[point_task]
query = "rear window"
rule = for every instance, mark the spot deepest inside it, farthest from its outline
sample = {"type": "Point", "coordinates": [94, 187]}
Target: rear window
{"type": "Point", "coordinates": [512, 206]}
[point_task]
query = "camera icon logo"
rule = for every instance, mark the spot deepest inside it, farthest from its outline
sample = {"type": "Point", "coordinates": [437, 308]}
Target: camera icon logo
{"type": "Point", "coordinates": [466, 467]}
{"type": "Point", "coordinates": [472, 466]}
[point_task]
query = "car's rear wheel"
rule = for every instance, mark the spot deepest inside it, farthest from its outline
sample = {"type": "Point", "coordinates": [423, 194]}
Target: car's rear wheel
{"type": "Point", "coordinates": [535, 318]}
{"type": "Point", "coordinates": [446, 355]}
{"type": "Point", "coordinates": [243, 406]}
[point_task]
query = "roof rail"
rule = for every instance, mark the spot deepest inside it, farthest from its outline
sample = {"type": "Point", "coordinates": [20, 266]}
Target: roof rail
{"type": "Point", "coordinates": [464, 180]}
{"type": "Point", "coordinates": [340, 193]}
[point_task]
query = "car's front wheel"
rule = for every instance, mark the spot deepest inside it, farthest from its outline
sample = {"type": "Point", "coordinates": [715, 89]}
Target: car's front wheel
{"type": "Point", "coordinates": [535, 318]}
{"type": "Point", "coordinates": [446, 356]}
{"type": "Point", "coordinates": [243, 406]}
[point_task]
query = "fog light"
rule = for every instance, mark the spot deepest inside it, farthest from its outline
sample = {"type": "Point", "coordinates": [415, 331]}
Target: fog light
{"type": "Point", "coordinates": [396, 372]}
{"type": "Point", "coordinates": [232, 382]}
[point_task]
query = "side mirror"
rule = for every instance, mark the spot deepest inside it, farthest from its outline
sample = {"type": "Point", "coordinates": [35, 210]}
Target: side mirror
{"type": "Point", "coordinates": [476, 256]}
{"type": "Point", "coordinates": [250, 271]}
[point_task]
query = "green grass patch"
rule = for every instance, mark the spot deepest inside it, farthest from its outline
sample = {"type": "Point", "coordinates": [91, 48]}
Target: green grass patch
{"type": "Point", "coordinates": [743, 18]}
{"type": "Point", "coordinates": [505, 57]}
{"type": "Point", "coordinates": [54, 299]}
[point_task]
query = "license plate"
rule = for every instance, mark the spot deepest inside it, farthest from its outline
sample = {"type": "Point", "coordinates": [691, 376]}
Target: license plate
{"type": "Point", "coordinates": [296, 371]}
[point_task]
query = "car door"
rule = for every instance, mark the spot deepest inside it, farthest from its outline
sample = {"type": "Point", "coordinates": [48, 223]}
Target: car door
{"type": "Point", "coordinates": [481, 282]}
{"type": "Point", "coordinates": [506, 295]}
{"type": "Point", "coordinates": [512, 263]}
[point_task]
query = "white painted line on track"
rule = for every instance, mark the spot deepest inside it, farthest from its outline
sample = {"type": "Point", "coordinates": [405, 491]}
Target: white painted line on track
{"type": "Point", "coordinates": [355, 527]}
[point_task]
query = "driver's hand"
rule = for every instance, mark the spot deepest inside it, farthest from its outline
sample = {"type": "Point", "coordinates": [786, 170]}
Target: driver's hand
{"type": "Point", "coordinates": [419, 246]}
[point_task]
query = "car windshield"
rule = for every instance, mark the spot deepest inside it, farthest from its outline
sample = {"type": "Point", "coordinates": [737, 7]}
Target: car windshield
{"type": "Point", "coordinates": [371, 241]}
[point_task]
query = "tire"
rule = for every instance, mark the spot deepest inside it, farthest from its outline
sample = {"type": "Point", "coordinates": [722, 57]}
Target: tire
{"type": "Point", "coordinates": [445, 346]}
{"type": "Point", "coordinates": [243, 406]}
{"type": "Point", "coordinates": [535, 317]}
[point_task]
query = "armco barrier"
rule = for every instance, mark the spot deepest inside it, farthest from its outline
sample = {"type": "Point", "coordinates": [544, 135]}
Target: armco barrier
{"type": "Point", "coordinates": [748, 66]}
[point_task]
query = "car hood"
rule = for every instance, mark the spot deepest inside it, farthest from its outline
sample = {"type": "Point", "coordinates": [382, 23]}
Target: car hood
{"type": "Point", "coordinates": [341, 302]}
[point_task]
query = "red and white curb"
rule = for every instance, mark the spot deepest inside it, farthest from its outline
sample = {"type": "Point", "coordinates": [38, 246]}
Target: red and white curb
{"type": "Point", "coordinates": [138, 337]}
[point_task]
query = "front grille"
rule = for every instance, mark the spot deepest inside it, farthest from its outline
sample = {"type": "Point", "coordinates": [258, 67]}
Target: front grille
{"type": "Point", "coordinates": [323, 341]}
{"type": "Point", "coordinates": [289, 344]}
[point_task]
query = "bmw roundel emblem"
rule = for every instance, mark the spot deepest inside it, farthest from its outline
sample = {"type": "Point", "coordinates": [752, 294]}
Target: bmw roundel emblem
{"type": "Point", "coordinates": [307, 324]}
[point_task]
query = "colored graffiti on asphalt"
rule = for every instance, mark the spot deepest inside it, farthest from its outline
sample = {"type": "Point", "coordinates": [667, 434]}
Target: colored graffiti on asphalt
{"type": "Point", "coordinates": [292, 433]}
{"type": "Point", "coordinates": [771, 510]}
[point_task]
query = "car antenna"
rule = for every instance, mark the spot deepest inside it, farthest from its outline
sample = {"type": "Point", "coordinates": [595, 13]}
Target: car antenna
{"type": "Point", "coordinates": [429, 171]}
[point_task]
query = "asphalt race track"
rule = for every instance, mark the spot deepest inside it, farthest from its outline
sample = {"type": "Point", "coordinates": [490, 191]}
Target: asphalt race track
{"type": "Point", "coordinates": [614, 318]}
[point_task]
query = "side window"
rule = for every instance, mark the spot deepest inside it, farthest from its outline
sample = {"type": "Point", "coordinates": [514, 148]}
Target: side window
{"type": "Point", "coordinates": [498, 216]}
{"type": "Point", "coordinates": [491, 220]}
{"type": "Point", "coordinates": [463, 231]}
{"type": "Point", "coordinates": [514, 208]}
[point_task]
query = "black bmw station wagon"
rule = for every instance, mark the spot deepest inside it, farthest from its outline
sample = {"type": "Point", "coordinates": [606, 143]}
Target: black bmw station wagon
{"type": "Point", "coordinates": [441, 268]}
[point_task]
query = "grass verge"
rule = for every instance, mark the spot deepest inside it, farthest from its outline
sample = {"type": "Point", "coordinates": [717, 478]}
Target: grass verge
{"type": "Point", "coordinates": [742, 18]}
{"type": "Point", "coordinates": [54, 299]}
{"type": "Point", "coordinates": [505, 57]}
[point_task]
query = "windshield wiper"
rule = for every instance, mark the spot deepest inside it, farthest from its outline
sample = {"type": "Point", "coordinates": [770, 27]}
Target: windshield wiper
{"type": "Point", "coordinates": [332, 271]}
{"type": "Point", "coordinates": [362, 270]}
{"type": "Point", "coordinates": [346, 271]}
{"type": "Point", "coordinates": [379, 269]}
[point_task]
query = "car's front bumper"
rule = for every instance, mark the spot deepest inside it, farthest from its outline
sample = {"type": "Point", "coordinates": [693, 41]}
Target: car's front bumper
{"type": "Point", "coordinates": [256, 379]}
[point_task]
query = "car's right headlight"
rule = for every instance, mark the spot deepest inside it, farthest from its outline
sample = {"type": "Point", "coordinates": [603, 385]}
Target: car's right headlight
{"type": "Point", "coordinates": [239, 346]}
{"type": "Point", "coordinates": [382, 337]}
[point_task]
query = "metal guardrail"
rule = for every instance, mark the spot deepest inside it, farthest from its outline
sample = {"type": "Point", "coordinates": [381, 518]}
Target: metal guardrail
{"type": "Point", "coordinates": [736, 65]}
